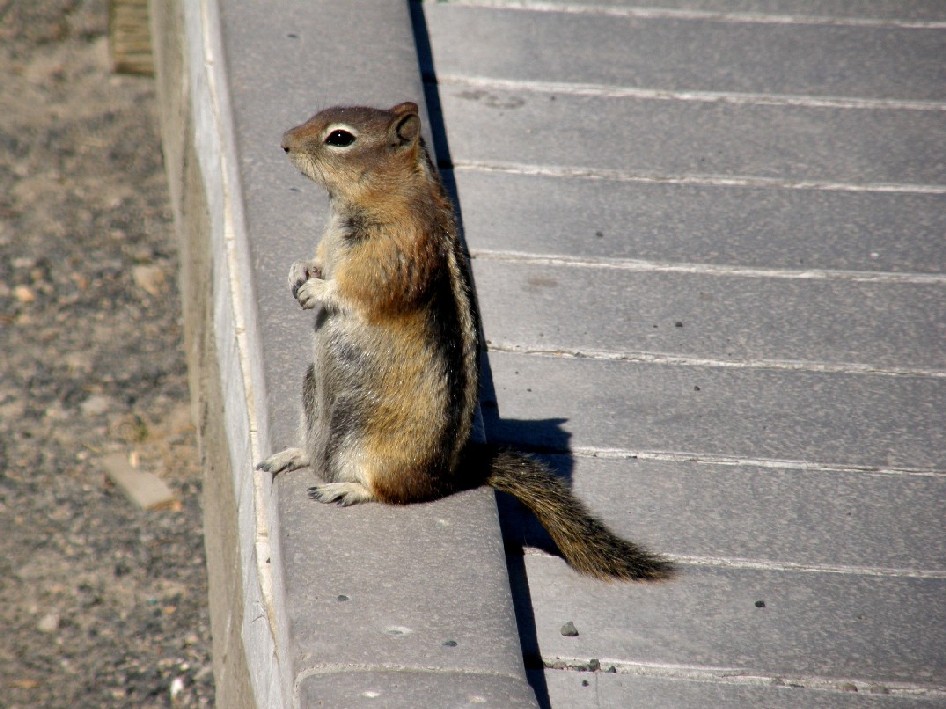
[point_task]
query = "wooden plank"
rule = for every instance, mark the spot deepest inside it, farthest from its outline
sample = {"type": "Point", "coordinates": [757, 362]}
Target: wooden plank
{"type": "Point", "coordinates": [130, 37]}
{"type": "Point", "coordinates": [144, 488]}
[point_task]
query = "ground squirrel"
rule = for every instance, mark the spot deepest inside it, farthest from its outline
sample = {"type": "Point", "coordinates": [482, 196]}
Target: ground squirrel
{"type": "Point", "coordinates": [390, 396]}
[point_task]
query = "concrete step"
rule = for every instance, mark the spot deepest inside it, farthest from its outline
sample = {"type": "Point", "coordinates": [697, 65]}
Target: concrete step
{"type": "Point", "coordinates": [633, 50]}
{"type": "Point", "coordinates": [777, 515]}
{"type": "Point", "coordinates": [655, 140]}
{"type": "Point", "coordinates": [702, 224]}
{"type": "Point", "coordinates": [753, 413]}
{"type": "Point", "coordinates": [874, 631]}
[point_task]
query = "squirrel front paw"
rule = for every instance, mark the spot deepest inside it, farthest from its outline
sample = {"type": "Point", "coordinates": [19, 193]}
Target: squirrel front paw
{"type": "Point", "coordinates": [311, 293]}
{"type": "Point", "coordinates": [301, 271]}
{"type": "Point", "coordinates": [306, 283]}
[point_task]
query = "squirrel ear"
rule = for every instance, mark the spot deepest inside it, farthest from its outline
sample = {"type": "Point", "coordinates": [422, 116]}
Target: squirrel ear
{"type": "Point", "coordinates": [406, 126]}
{"type": "Point", "coordinates": [405, 109]}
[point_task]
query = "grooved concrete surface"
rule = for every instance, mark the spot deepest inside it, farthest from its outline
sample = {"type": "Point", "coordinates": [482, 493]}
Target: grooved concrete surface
{"type": "Point", "coordinates": [709, 246]}
{"type": "Point", "coordinates": [708, 238]}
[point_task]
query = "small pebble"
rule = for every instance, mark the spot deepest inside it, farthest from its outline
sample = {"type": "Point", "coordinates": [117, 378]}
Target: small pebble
{"type": "Point", "coordinates": [149, 278]}
{"type": "Point", "coordinates": [760, 604]}
{"type": "Point", "coordinates": [49, 623]}
{"type": "Point", "coordinates": [569, 630]}
{"type": "Point", "coordinates": [97, 404]}
{"type": "Point", "coordinates": [177, 686]}
{"type": "Point", "coordinates": [25, 683]}
{"type": "Point", "coordinates": [24, 294]}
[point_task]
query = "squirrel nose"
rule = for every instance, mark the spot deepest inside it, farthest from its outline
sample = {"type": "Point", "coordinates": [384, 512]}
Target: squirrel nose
{"type": "Point", "coordinates": [285, 147]}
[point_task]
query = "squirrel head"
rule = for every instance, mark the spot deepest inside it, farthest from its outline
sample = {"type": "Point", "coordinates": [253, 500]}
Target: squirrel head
{"type": "Point", "coordinates": [360, 154]}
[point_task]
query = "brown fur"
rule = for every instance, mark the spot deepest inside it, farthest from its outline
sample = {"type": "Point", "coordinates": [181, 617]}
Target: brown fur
{"type": "Point", "coordinates": [390, 398]}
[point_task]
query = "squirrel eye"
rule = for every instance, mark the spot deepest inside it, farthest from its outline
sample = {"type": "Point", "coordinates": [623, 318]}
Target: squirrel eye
{"type": "Point", "coordinates": [340, 139]}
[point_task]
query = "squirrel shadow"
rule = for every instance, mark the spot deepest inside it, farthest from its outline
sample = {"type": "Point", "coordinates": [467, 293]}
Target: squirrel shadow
{"type": "Point", "coordinates": [549, 442]}
{"type": "Point", "coordinates": [543, 439]}
{"type": "Point", "coordinates": [519, 526]}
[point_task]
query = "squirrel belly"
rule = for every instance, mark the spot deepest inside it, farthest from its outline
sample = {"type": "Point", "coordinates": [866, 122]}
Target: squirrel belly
{"type": "Point", "coordinates": [393, 382]}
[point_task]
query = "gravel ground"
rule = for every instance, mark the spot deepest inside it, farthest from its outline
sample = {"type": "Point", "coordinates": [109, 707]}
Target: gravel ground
{"type": "Point", "coordinates": [102, 603]}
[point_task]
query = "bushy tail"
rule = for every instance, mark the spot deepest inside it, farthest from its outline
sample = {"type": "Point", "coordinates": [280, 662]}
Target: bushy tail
{"type": "Point", "coordinates": [587, 545]}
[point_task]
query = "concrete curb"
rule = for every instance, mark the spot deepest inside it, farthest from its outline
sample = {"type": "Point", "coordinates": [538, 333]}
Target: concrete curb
{"type": "Point", "coordinates": [308, 603]}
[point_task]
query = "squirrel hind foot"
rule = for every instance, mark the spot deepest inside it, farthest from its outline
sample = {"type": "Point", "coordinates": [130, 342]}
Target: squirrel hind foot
{"type": "Point", "coordinates": [341, 494]}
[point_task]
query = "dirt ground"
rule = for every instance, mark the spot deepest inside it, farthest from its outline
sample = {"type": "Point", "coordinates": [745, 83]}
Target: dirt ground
{"type": "Point", "coordinates": [101, 603]}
